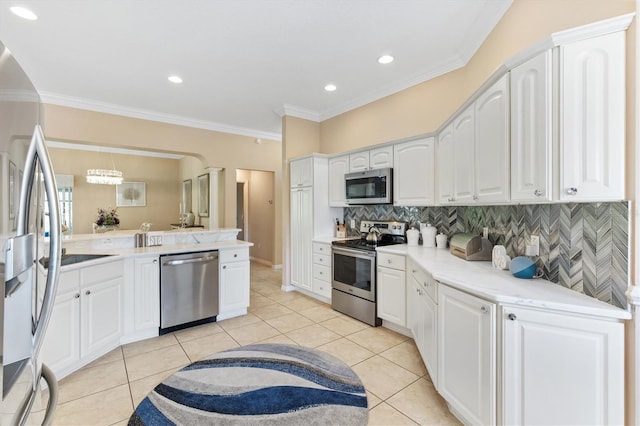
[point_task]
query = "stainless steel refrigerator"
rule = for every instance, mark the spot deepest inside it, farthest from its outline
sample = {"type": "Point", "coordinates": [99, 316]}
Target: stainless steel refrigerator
{"type": "Point", "coordinates": [28, 211]}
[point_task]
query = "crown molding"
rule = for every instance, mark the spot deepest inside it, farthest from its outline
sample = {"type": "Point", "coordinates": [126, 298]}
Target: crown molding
{"type": "Point", "coordinates": [297, 111]}
{"type": "Point", "coordinates": [123, 151]}
{"type": "Point", "coordinates": [107, 108]}
{"type": "Point", "coordinates": [595, 29]}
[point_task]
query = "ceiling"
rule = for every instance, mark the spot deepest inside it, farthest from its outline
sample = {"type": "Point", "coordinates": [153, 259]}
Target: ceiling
{"type": "Point", "coordinates": [243, 62]}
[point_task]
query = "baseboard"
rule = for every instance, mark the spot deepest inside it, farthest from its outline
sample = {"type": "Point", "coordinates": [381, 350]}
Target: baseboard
{"type": "Point", "coordinates": [277, 267]}
{"type": "Point", "coordinates": [231, 314]}
{"type": "Point", "coordinates": [261, 261]}
{"type": "Point", "coordinates": [397, 328]}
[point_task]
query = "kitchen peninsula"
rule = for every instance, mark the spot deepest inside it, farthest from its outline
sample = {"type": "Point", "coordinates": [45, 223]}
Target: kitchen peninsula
{"type": "Point", "coordinates": [114, 298]}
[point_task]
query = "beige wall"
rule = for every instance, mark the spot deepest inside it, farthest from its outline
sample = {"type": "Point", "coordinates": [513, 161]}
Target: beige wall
{"type": "Point", "coordinates": [260, 190]}
{"type": "Point", "coordinates": [424, 107]}
{"type": "Point", "coordinates": [160, 176]}
{"type": "Point", "coordinates": [215, 149]}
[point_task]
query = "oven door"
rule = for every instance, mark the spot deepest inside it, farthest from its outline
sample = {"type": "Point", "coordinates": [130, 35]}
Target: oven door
{"type": "Point", "coordinates": [354, 272]}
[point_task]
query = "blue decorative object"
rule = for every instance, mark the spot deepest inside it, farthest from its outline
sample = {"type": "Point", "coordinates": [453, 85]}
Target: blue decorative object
{"type": "Point", "coordinates": [523, 267]}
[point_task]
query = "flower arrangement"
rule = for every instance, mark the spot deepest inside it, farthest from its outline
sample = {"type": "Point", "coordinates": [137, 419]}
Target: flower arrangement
{"type": "Point", "coordinates": [107, 217]}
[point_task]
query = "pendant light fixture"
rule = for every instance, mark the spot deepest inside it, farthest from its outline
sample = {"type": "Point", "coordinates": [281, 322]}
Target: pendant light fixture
{"type": "Point", "coordinates": [105, 176]}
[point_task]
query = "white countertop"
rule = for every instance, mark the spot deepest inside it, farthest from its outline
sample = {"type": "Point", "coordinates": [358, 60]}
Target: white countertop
{"type": "Point", "coordinates": [481, 279]}
{"type": "Point", "coordinates": [121, 253]}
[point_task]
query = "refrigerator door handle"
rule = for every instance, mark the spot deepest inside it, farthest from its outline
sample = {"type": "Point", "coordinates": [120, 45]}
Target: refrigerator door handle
{"type": "Point", "coordinates": [38, 154]}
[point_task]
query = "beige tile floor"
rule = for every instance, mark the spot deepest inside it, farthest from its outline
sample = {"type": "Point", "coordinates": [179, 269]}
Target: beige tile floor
{"type": "Point", "coordinates": [399, 390]}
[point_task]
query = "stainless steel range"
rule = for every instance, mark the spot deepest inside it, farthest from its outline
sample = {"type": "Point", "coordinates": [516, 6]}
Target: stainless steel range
{"type": "Point", "coordinates": [353, 283]}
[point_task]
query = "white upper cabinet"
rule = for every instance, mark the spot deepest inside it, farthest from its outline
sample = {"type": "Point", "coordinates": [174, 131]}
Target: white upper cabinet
{"type": "Point", "coordinates": [413, 173]}
{"type": "Point", "coordinates": [338, 167]}
{"type": "Point", "coordinates": [473, 151]}
{"type": "Point", "coordinates": [592, 118]}
{"type": "Point", "coordinates": [377, 158]}
{"type": "Point", "coordinates": [492, 160]}
{"type": "Point", "coordinates": [301, 172]}
{"type": "Point", "coordinates": [446, 186]}
{"type": "Point", "coordinates": [463, 156]}
{"type": "Point", "coordinates": [531, 130]}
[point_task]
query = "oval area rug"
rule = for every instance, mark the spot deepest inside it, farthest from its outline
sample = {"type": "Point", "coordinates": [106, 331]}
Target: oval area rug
{"type": "Point", "coordinates": [258, 384]}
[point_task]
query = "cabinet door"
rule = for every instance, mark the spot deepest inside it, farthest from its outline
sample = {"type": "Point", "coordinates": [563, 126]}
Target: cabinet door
{"type": "Point", "coordinates": [61, 347]}
{"type": "Point", "coordinates": [380, 158]}
{"type": "Point", "coordinates": [392, 296]}
{"type": "Point", "coordinates": [531, 131]}
{"type": "Point", "coordinates": [146, 294]}
{"type": "Point", "coordinates": [234, 286]}
{"type": "Point", "coordinates": [301, 172]}
{"type": "Point", "coordinates": [101, 316]}
{"type": "Point", "coordinates": [592, 125]}
{"type": "Point", "coordinates": [359, 161]}
{"type": "Point", "coordinates": [301, 237]}
{"type": "Point", "coordinates": [463, 156]}
{"type": "Point", "coordinates": [446, 187]}
{"type": "Point", "coordinates": [467, 355]}
{"type": "Point", "coordinates": [492, 159]}
{"type": "Point", "coordinates": [413, 173]}
{"type": "Point", "coordinates": [561, 369]}
{"type": "Point", "coordinates": [429, 345]}
{"type": "Point", "coordinates": [338, 167]}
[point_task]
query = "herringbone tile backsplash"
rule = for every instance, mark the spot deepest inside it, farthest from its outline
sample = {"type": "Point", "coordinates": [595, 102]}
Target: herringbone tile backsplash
{"type": "Point", "coordinates": [584, 247]}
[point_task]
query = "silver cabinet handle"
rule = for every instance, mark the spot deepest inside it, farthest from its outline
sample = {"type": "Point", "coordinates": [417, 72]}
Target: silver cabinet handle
{"type": "Point", "coordinates": [224, 266]}
{"type": "Point", "coordinates": [538, 193]}
{"type": "Point", "coordinates": [512, 317]}
{"type": "Point", "coordinates": [484, 309]}
{"type": "Point", "coordinates": [389, 261]}
{"type": "Point", "coordinates": [475, 197]}
{"type": "Point", "coordinates": [194, 260]}
{"type": "Point", "coordinates": [88, 292]}
{"type": "Point", "coordinates": [235, 254]}
{"type": "Point", "coordinates": [572, 191]}
{"type": "Point", "coordinates": [155, 260]}
{"type": "Point", "coordinates": [77, 296]}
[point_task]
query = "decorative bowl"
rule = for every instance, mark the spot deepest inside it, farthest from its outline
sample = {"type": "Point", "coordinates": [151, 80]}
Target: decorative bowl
{"type": "Point", "coordinates": [523, 267]}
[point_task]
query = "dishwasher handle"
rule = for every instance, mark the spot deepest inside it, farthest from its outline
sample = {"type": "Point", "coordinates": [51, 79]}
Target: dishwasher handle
{"type": "Point", "coordinates": [203, 259]}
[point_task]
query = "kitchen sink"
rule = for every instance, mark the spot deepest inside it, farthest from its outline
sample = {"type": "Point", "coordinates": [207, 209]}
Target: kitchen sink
{"type": "Point", "coordinates": [70, 259]}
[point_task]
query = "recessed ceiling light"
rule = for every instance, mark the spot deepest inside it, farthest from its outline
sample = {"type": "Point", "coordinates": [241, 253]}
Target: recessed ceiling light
{"type": "Point", "coordinates": [175, 79]}
{"type": "Point", "coordinates": [24, 13]}
{"type": "Point", "coordinates": [385, 59]}
{"type": "Point", "coordinates": [330, 87]}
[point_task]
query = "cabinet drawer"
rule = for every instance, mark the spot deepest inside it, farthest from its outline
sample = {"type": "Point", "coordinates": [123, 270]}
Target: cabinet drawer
{"type": "Point", "coordinates": [101, 273]}
{"type": "Point", "coordinates": [69, 281]}
{"type": "Point", "coordinates": [393, 261]}
{"type": "Point", "coordinates": [425, 280]}
{"type": "Point", "coordinates": [322, 272]}
{"type": "Point", "coordinates": [321, 287]}
{"type": "Point", "coordinates": [233, 255]}
{"type": "Point", "coordinates": [322, 248]}
{"type": "Point", "coordinates": [322, 259]}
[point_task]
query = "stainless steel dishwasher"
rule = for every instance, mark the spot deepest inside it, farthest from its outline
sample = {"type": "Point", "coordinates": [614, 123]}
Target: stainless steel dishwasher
{"type": "Point", "coordinates": [188, 290]}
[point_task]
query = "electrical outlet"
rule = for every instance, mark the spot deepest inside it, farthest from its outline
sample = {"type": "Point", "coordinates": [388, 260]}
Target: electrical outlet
{"type": "Point", "coordinates": [353, 223]}
{"type": "Point", "coordinates": [535, 242]}
{"type": "Point", "coordinates": [485, 232]}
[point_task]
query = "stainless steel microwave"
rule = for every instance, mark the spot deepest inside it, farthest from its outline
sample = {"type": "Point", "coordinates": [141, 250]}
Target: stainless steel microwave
{"type": "Point", "coordinates": [369, 186]}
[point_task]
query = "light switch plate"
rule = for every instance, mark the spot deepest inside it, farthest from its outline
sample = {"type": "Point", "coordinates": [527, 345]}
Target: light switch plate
{"type": "Point", "coordinates": [535, 242]}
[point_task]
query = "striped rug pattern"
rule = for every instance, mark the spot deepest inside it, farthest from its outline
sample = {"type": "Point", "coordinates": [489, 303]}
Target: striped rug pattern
{"type": "Point", "coordinates": [258, 384]}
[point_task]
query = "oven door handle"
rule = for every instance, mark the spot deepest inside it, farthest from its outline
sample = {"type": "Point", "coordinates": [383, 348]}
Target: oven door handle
{"type": "Point", "coordinates": [364, 254]}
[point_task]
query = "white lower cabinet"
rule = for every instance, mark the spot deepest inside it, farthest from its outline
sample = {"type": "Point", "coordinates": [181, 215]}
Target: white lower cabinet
{"type": "Point", "coordinates": [234, 283]}
{"type": "Point", "coordinates": [321, 269]}
{"type": "Point", "coordinates": [146, 293]}
{"type": "Point", "coordinates": [467, 355]}
{"type": "Point", "coordinates": [561, 368]}
{"type": "Point", "coordinates": [422, 318]}
{"type": "Point", "coordinates": [391, 288]}
{"type": "Point", "coordinates": [87, 317]}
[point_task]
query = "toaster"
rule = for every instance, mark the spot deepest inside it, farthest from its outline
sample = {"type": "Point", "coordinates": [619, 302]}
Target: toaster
{"type": "Point", "coordinates": [470, 247]}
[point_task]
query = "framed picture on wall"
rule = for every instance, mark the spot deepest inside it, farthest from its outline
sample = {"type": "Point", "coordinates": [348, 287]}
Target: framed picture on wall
{"type": "Point", "coordinates": [203, 195]}
{"type": "Point", "coordinates": [131, 194]}
{"type": "Point", "coordinates": [186, 195]}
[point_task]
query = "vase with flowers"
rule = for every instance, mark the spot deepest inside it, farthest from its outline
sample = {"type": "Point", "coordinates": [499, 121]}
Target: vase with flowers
{"type": "Point", "coordinates": [107, 220]}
